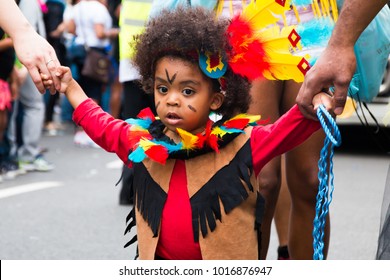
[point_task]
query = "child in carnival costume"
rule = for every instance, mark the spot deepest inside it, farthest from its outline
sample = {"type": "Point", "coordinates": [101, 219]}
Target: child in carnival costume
{"type": "Point", "coordinates": [195, 180]}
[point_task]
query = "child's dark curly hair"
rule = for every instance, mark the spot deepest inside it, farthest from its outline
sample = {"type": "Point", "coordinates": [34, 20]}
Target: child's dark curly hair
{"type": "Point", "coordinates": [179, 33]}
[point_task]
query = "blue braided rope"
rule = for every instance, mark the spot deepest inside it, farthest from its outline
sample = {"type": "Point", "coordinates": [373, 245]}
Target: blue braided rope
{"type": "Point", "coordinates": [325, 176]}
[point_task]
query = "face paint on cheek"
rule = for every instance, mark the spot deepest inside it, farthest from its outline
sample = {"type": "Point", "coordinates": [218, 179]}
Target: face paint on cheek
{"type": "Point", "coordinates": [158, 104]}
{"type": "Point", "coordinates": [192, 108]}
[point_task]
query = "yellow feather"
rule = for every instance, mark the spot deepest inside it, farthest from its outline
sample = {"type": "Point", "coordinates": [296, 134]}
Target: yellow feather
{"type": "Point", "coordinates": [146, 144]}
{"type": "Point", "coordinates": [218, 131]}
{"type": "Point", "coordinates": [275, 39]}
{"type": "Point", "coordinates": [284, 67]}
{"type": "Point", "coordinates": [137, 128]}
{"type": "Point", "coordinates": [251, 118]}
{"type": "Point", "coordinates": [335, 13]}
{"type": "Point", "coordinates": [263, 13]}
{"type": "Point", "coordinates": [189, 139]}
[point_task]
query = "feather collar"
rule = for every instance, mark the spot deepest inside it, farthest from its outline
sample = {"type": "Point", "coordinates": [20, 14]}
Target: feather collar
{"type": "Point", "coordinates": [148, 140]}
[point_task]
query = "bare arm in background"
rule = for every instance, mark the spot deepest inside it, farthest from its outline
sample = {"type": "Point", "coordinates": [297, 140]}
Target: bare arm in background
{"type": "Point", "coordinates": [32, 50]}
{"type": "Point", "coordinates": [337, 64]}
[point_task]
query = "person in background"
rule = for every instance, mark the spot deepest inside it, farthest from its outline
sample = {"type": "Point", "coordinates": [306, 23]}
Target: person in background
{"type": "Point", "coordinates": [282, 216]}
{"type": "Point", "coordinates": [116, 87]}
{"type": "Point", "coordinates": [53, 18]}
{"type": "Point", "coordinates": [8, 168]}
{"type": "Point", "coordinates": [92, 25]}
{"type": "Point", "coordinates": [133, 16]}
{"type": "Point", "coordinates": [26, 122]}
{"type": "Point", "coordinates": [298, 182]}
{"type": "Point", "coordinates": [68, 38]}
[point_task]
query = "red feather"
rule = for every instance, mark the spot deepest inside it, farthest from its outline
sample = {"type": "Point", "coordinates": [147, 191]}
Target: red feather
{"type": "Point", "coordinates": [202, 137]}
{"type": "Point", "coordinates": [157, 153]}
{"type": "Point", "coordinates": [146, 114]}
{"type": "Point", "coordinates": [238, 31]}
{"type": "Point", "coordinates": [247, 56]}
{"type": "Point", "coordinates": [201, 140]}
{"type": "Point", "coordinates": [236, 123]}
{"type": "Point", "coordinates": [212, 141]}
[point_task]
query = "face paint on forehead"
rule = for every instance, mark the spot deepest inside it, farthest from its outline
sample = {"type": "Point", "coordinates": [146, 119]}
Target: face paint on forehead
{"type": "Point", "coordinates": [192, 108]}
{"type": "Point", "coordinates": [168, 78]}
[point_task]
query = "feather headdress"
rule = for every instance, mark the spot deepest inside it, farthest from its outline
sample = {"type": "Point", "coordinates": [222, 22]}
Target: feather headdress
{"type": "Point", "coordinates": [260, 48]}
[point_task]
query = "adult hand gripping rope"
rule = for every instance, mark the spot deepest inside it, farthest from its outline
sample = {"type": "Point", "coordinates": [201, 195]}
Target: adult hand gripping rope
{"type": "Point", "coordinates": [325, 176]}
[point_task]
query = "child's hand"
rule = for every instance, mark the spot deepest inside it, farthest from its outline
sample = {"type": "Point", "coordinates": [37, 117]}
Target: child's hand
{"type": "Point", "coordinates": [65, 76]}
{"type": "Point", "coordinates": [325, 99]}
{"type": "Point", "coordinates": [68, 85]}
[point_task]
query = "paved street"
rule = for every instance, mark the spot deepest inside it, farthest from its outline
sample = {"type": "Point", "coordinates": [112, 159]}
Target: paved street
{"type": "Point", "coordinates": [70, 213]}
{"type": "Point", "coordinates": [73, 212]}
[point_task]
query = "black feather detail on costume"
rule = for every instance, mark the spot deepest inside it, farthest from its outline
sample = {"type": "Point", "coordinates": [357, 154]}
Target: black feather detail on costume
{"type": "Point", "coordinates": [133, 240]}
{"type": "Point", "coordinates": [150, 200]}
{"type": "Point", "coordinates": [130, 226]}
{"type": "Point", "coordinates": [130, 218]}
{"type": "Point", "coordinates": [150, 197]}
{"type": "Point", "coordinates": [227, 186]}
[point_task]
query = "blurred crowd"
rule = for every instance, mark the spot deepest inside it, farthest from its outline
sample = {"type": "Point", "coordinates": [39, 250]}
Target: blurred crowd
{"type": "Point", "coordinates": [25, 114]}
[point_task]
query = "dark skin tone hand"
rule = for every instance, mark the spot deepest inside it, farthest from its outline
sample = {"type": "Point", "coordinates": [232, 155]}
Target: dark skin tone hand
{"type": "Point", "coordinates": [337, 64]}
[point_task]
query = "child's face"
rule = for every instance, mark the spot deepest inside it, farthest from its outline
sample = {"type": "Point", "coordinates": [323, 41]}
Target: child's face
{"type": "Point", "coordinates": [183, 95]}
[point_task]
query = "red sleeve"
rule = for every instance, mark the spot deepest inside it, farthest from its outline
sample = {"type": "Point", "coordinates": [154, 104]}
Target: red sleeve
{"type": "Point", "coordinates": [109, 133]}
{"type": "Point", "coordinates": [286, 133]}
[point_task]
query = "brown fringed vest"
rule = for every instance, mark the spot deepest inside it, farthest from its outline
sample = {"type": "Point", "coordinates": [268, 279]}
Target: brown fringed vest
{"type": "Point", "coordinates": [226, 206]}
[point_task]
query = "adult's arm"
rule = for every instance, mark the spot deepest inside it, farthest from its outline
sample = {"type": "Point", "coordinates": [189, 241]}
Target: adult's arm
{"type": "Point", "coordinates": [337, 64]}
{"type": "Point", "coordinates": [31, 49]}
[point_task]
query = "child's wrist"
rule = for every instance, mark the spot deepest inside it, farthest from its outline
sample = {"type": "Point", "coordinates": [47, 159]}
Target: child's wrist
{"type": "Point", "coordinates": [72, 87]}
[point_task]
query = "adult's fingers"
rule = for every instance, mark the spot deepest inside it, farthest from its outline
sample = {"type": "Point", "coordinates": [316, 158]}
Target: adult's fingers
{"type": "Point", "coordinates": [36, 77]}
{"type": "Point", "coordinates": [37, 66]}
{"type": "Point", "coordinates": [305, 97]}
{"type": "Point", "coordinates": [52, 65]}
{"type": "Point", "coordinates": [306, 108]}
{"type": "Point", "coordinates": [340, 97]}
{"type": "Point", "coordinates": [47, 65]}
